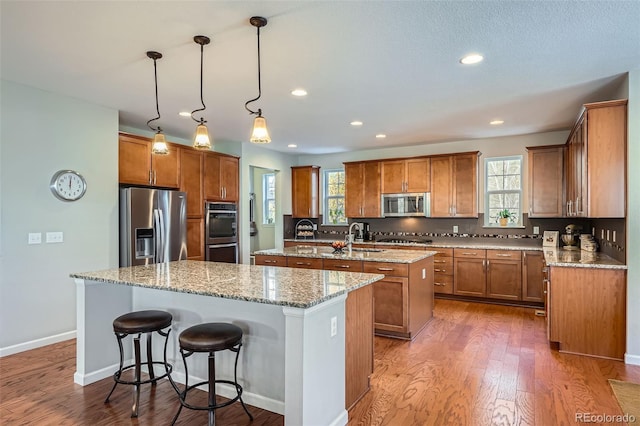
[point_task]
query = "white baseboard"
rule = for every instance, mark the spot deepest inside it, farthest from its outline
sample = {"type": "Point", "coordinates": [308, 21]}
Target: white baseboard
{"type": "Point", "coordinates": [632, 359]}
{"type": "Point", "coordinates": [341, 420]}
{"type": "Point", "coordinates": [94, 376]}
{"type": "Point", "coordinates": [38, 343]}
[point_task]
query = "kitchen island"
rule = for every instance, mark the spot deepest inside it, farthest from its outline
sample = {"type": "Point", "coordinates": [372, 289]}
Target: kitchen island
{"type": "Point", "coordinates": [403, 299]}
{"type": "Point", "coordinates": [294, 356]}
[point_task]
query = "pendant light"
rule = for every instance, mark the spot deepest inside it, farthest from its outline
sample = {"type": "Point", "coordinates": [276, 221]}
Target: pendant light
{"type": "Point", "coordinates": [159, 146]}
{"type": "Point", "coordinates": [260, 134]}
{"type": "Point", "coordinates": [201, 140]}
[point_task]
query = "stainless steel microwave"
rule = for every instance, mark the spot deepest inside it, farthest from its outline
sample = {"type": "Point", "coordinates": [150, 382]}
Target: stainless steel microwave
{"type": "Point", "coordinates": [406, 204]}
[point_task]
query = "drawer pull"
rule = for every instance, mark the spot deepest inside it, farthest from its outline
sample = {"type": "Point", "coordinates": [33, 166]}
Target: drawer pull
{"type": "Point", "coordinates": [440, 284]}
{"type": "Point", "coordinates": [466, 253]}
{"type": "Point", "coordinates": [439, 261]}
{"type": "Point", "coordinates": [270, 261]}
{"type": "Point", "coordinates": [385, 269]}
{"type": "Point", "coordinates": [303, 263]}
{"type": "Point", "coordinates": [439, 270]}
{"type": "Point", "coordinates": [503, 255]}
{"type": "Point", "coordinates": [344, 266]}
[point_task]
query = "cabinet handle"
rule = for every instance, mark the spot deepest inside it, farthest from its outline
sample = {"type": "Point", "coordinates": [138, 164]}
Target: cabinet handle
{"type": "Point", "coordinates": [343, 266]}
{"type": "Point", "coordinates": [484, 265]}
{"type": "Point", "coordinates": [524, 255]}
{"type": "Point", "coordinates": [150, 176]}
{"type": "Point", "coordinates": [440, 284]}
{"type": "Point", "coordinates": [466, 253]}
{"type": "Point", "coordinates": [529, 211]}
{"type": "Point", "coordinates": [385, 269]}
{"type": "Point", "coordinates": [270, 261]}
{"type": "Point", "coordinates": [303, 263]}
{"type": "Point", "coordinates": [503, 255]}
{"type": "Point", "coordinates": [155, 177]}
{"type": "Point", "coordinates": [439, 270]}
{"type": "Point", "coordinates": [439, 261]}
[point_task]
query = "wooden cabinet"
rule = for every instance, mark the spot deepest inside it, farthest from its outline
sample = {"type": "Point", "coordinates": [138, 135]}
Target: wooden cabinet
{"type": "Point", "coordinates": [546, 174]}
{"type": "Point", "coordinates": [532, 276]}
{"type": "Point", "coordinates": [587, 310]}
{"type": "Point", "coordinates": [407, 175]}
{"type": "Point", "coordinates": [137, 166]}
{"type": "Point", "coordinates": [342, 265]}
{"type": "Point", "coordinates": [221, 177]}
{"type": "Point", "coordinates": [191, 180]}
{"type": "Point", "coordinates": [195, 238]}
{"type": "Point", "coordinates": [469, 272]}
{"type": "Point", "coordinates": [454, 185]}
{"type": "Point", "coordinates": [305, 183]}
{"type": "Point", "coordinates": [596, 165]}
{"type": "Point", "coordinates": [504, 274]}
{"type": "Point", "coordinates": [268, 260]}
{"type": "Point", "coordinates": [358, 344]}
{"type": "Point", "coordinates": [362, 189]}
{"type": "Point", "coordinates": [443, 271]}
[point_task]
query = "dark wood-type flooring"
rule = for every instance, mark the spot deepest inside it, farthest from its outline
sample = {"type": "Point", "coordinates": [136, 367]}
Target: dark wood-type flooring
{"type": "Point", "coordinates": [474, 364]}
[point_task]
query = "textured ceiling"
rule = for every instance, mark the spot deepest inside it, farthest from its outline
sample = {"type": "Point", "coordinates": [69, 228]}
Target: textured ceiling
{"type": "Point", "coordinates": [393, 65]}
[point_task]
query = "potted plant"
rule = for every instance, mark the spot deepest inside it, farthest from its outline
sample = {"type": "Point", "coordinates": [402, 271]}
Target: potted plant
{"type": "Point", "coordinates": [504, 216]}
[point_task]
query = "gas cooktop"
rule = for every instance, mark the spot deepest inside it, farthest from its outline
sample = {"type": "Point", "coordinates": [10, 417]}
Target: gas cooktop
{"type": "Point", "coordinates": [405, 240]}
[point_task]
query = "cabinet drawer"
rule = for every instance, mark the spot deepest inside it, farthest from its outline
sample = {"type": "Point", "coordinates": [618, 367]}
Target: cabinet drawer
{"type": "Point", "coordinates": [504, 254]}
{"type": "Point", "coordinates": [266, 260]}
{"type": "Point", "coordinates": [443, 265]}
{"type": "Point", "coordinates": [442, 252]}
{"type": "Point", "coordinates": [442, 283]}
{"type": "Point", "coordinates": [304, 262]}
{"type": "Point", "coordinates": [387, 268]}
{"type": "Point", "coordinates": [342, 265]}
{"type": "Point", "coordinates": [470, 253]}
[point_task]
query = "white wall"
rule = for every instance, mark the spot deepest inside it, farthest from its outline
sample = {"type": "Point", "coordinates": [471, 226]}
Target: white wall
{"type": "Point", "coordinates": [490, 147]}
{"type": "Point", "coordinates": [633, 220]}
{"type": "Point", "coordinates": [41, 133]}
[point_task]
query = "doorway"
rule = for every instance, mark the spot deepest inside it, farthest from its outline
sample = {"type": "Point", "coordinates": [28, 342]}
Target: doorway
{"type": "Point", "coordinates": [263, 205]}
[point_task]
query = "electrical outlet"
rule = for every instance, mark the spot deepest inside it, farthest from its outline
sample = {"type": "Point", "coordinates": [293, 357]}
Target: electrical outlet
{"type": "Point", "coordinates": [455, 229]}
{"type": "Point", "coordinates": [536, 230]}
{"type": "Point", "coordinates": [54, 237]}
{"type": "Point", "coordinates": [334, 326]}
{"type": "Point", "coordinates": [35, 238]}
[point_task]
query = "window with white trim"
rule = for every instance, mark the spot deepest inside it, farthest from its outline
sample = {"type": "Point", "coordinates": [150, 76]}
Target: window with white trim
{"type": "Point", "coordinates": [503, 190]}
{"type": "Point", "coordinates": [333, 209]}
{"type": "Point", "coordinates": [269, 197]}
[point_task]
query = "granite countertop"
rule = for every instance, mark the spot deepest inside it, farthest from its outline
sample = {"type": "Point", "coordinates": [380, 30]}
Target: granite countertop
{"type": "Point", "coordinates": [580, 259]}
{"type": "Point", "coordinates": [299, 288]}
{"type": "Point", "coordinates": [467, 243]}
{"type": "Point", "coordinates": [392, 256]}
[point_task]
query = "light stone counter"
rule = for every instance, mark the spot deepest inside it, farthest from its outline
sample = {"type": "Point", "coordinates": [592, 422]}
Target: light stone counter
{"type": "Point", "coordinates": [580, 259]}
{"type": "Point", "coordinates": [367, 255]}
{"type": "Point", "coordinates": [261, 284]}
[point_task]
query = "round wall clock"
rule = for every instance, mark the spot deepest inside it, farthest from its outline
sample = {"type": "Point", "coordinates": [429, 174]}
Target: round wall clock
{"type": "Point", "coordinates": [68, 185]}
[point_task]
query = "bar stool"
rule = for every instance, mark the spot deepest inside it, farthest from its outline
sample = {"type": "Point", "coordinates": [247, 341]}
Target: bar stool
{"type": "Point", "coordinates": [210, 337]}
{"type": "Point", "coordinates": [137, 323]}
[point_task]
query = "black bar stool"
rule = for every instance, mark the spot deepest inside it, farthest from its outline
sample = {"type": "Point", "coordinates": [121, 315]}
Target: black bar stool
{"type": "Point", "coordinates": [137, 323]}
{"type": "Point", "coordinates": [210, 337]}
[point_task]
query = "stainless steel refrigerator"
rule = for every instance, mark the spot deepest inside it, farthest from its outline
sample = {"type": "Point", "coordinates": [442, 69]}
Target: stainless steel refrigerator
{"type": "Point", "coordinates": [153, 226]}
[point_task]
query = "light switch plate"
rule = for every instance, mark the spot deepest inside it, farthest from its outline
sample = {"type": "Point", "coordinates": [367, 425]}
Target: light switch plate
{"type": "Point", "coordinates": [54, 237]}
{"type": "Point", "coordinates": [334, 326]}
{"type": "Point", "coordinates": [35, 238]}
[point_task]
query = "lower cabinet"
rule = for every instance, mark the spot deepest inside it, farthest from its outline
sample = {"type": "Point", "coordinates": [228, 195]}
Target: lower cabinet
{"type": "Point", "coordinates": [532, 276]}
{"type": "Point", "coordinates": [195, 242]}
{"type": "Point", "coordinates": [358, 344]}
{"type": "Point", "coordinates": [443, 271]}
{"type": "Point", "coordinates": [469, 277]}
{"type": "Point", "coordinates": [504, 274]}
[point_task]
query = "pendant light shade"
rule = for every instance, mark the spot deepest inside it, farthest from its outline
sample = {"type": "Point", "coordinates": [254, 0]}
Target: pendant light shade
{"type": "Point", "coordinates": [159, 146]}
{"type": "Point", "coordinates": [260, 133]}
{"type": "Point", "coordinates": [201, 140]}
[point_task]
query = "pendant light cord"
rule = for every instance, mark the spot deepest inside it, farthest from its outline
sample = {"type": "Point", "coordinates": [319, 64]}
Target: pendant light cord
{"type": "Point", "coordinates": [155, 74]}
{"type": "Point", "coordinates": [202, 120]}
{"type": "Point", "coordinates": [259, 112]}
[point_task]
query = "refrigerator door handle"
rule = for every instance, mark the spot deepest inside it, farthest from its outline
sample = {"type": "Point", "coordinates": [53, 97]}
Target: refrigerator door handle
{"type": "Point", "coordinates": [163, 237]}
{"type": "Point", "coordinates": [157, 231]}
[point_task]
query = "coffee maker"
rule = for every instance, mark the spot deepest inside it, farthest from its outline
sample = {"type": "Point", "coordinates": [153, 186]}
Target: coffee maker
{"type": "Point", "coordinates": [365, 233]}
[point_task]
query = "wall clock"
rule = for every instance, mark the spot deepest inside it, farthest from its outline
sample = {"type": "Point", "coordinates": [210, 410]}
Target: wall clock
{"type": "Point", "coordinates": [68, 185]}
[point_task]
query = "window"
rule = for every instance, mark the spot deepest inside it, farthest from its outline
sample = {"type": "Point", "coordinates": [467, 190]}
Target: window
{"type": "Point", "coordinates": [334, 197]}
{"type": "Point", "coordinates": [269, 196]}
{"type": "Point", "coordinates": [503, 190]}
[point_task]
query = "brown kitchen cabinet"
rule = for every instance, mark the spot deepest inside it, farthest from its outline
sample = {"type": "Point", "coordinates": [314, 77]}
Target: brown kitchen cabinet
{"type": "Point", "coordinates": [469, 277]}
{"type": "Point", "coordinates": [362, 189]}
{"type": "Point", "coordinates": [504, 274]}
{"type": "Point", "coordinates": [596, 164]}
{"type": "Point", "coordinates": [221, 177]}
{"type": "Point", "coordinates": [546, 176]}
{"type": "Point", "coordinates": [587, 310]}
{"type": "Point", "coordinates": [406, 175]}
{"type": "Point", "coordinates": [358, 344]}
{"type": "Point", "coordinates": [454, 185]}
{"type": "Point", "coordinates": [191, 180]}
{"type": "Point", "coordinates": [305, 186]}
{"type": "Point", "coordinates": [195, 238]}
{"type": "Point", "coordinates": [532, 276]}
{"type": "Point", "coordinates": [443, 271]}
{"type": "Point", "coordinates": [137, 166]}
{"type": "Point", "coordinates": [342, 265]}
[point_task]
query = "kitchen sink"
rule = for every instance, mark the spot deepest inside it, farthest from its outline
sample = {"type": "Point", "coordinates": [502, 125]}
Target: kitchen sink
{"type": "Point", "coordinates": [367, 250]}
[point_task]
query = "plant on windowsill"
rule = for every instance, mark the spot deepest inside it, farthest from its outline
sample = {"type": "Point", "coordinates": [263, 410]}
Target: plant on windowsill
{"type": "Point", "coordinates": [504, 216]}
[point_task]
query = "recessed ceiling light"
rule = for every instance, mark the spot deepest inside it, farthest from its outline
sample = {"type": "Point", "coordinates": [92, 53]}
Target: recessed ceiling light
{"type": "Point", "coordinates": [292, 145]}
{"type": "Point", "coordinates": [496, 122]}
{"type": "Point", "coordinates": [381, 136]}
{"type": "Point", "coordinates": [184, 114]}
{"type": "Point", "coordinates": [299, 92]}
{"type": "Point", "coordinates": [473, 58]}
{"type": "Point", "coordinates": [356, 123]}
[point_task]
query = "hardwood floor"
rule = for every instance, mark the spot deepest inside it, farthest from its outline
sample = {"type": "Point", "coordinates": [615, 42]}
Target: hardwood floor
{"type": "Point", "coordinates": [474, 364]}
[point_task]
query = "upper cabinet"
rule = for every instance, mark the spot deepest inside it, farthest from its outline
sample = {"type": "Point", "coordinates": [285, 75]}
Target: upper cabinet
{"type": "Point", "coordinates": [220, 177]}
{"type": "Point", "coordinates": [191, 180]}
{"type": "Point", "coordinates": [408, 175]}
{"type": "Point", "coordinates": [596, 165]}
{"type": "Point", "coordinates": [545, 180]}
{"type": "Point", "coordinates": [137, 166]}
{"type": "Point", "coordinates": [454, 185]}
{"type": "Point", "coordinates": [362, 189]}
{"type": "Point", "coordinates": [305, 183]}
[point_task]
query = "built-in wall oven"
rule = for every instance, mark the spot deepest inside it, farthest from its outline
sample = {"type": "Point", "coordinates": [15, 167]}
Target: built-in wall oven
{"type": "Point", "coordinates": [221, 232]}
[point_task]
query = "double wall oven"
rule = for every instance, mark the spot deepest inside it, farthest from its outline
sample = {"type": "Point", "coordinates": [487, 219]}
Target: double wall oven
{"type": "Point", "coordinates": [221, 232]}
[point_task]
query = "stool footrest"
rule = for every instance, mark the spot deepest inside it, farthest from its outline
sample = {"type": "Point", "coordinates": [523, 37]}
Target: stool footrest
{"type": "Point", "coordinates": [183, 394]}
{"type": "Point", "coordinates": [117, 374]}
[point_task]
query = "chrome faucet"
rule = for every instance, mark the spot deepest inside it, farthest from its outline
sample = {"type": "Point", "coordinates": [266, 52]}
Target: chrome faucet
{"type": "Point", "coordinates": [350, 238]}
